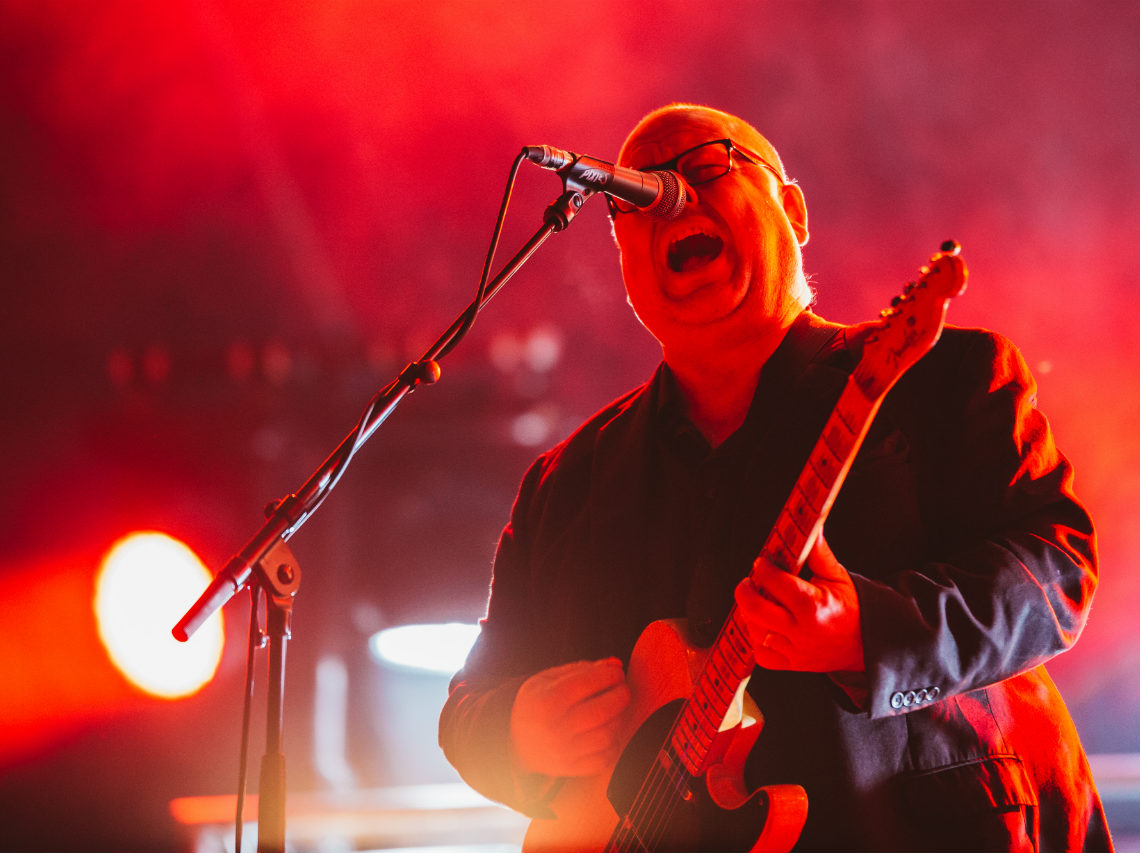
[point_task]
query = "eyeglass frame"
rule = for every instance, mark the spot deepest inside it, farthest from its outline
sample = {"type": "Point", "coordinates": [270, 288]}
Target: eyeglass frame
{"type": "Point", "coordinates": [671, 166]}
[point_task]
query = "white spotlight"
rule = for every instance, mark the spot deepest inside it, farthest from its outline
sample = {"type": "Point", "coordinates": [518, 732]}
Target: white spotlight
{"type": "Point", "coordinates": [431, 648]}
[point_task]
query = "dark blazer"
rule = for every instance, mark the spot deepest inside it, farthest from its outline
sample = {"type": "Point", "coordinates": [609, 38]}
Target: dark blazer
{"type": "Point", "coordinates": [972, 559]}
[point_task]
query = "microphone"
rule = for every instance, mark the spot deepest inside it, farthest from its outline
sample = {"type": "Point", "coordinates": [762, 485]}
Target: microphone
{"type": "Point", "coordinates": [658, 194]}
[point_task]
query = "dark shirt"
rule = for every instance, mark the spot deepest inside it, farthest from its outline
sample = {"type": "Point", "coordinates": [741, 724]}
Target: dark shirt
{"type": "Point", "coordinates": [972, 560]}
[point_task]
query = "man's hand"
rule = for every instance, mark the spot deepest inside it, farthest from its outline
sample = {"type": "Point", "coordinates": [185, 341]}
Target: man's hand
{"type": "Point", "coordinates": [566, 720]}
{"type": "Point", "coordinates": [804, 625]}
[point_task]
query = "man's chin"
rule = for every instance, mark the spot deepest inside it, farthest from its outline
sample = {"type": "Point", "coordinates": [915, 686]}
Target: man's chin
{"type": "Point", "coordinates": [706, 305]}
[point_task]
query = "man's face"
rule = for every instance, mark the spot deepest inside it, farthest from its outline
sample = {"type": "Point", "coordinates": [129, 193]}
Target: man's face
{"type": "Point", "coordinates": [731, 262]}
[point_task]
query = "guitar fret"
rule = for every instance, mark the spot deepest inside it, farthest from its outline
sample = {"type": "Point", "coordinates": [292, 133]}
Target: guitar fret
{"type": "Point", "coordinates": [740, 664]}
{"type": "Point", "coordinates": [825, 469]}
{"type": "Point", "coordinates": [801, 510]}
{"type": "Point", "coordinates": [834, 446]}
{"type": "Point", "coordinates": [713, 691]}
{"type": "Point", "coordinates": [855, 409]}
{"type": "Point", "coordinates": [733, 678]}
{"type": "Point", "coordinates": [686, 744]}
{"type": "Point", "coordinates": [691, 720]}
{"type": "Point", "coordinates": [701, 736]}
{"type": "Point", "coordinates": [736, 641]}
{"type": "Point", "coordinates": [684, 736]}
{"type": "Point", "coordinates": [728, 684]}
{"type": "Point", "coordinates": [709, 713]}
{"type": "Point", "coordinates": [850, 419]}
{"type": "Point", "coordinates": [683, 747]}
{"type": "Point", "coordinates": [810, 489]}
{"type": "Point", "coordinates": [800, 520]}
{"type": "Point", "coordinates": [793, 541]}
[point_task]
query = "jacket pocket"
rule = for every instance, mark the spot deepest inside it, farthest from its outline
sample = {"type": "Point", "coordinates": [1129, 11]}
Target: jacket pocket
{"type": "Point", "coordinates": [982, 805]}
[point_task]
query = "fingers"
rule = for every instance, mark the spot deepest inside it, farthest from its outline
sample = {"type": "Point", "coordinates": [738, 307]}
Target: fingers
{"type": "Point", "coordinates": [565, 720]}
{"type": "Point", "coordinates": [823, 564]}
{"type": "Point", "coordinates": [597, 710]}
{"type": "Point", "coordinates": [578, 681]}
{"type": "Point", "coordinates": [595, 751]}
{"type": "Point", "coordinates": [774, 596]}
{"type": "Point", "coordinates": [807, 625]}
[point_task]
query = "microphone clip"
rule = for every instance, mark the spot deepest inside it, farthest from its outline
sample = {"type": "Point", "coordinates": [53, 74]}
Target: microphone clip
{"type": "Point", "coordinates": [579, 182]}
{"type": "Point", "coordinates": [563, 209]}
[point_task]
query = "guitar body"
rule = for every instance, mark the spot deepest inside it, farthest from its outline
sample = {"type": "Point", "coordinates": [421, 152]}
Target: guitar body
{"type": "Point", "coordinates": [711, 811]}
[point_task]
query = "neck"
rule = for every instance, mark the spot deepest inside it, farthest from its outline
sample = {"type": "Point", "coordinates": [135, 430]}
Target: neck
{"type": "Point", "coordinates": [718, 384]}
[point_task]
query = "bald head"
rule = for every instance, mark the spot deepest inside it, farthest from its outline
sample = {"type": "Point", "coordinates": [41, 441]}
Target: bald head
{"type": "Point", "coordinates": [638, 149]}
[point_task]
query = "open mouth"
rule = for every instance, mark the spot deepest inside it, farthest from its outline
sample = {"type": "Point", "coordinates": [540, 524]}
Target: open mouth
{"type": "Point", "coordinates": [693, 252]}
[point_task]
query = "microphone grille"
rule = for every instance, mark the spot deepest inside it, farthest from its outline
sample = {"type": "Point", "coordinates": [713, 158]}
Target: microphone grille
{"type": "Point", "coordinates": [672, 199]}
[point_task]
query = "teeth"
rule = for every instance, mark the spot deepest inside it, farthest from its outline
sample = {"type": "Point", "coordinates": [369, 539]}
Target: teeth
{"type": "Point", "coordinates": [689, 231]}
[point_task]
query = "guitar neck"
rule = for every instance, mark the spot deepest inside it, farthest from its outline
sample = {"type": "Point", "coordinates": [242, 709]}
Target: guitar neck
{"type": "Point", "coordinates": [729, 661]}
{"type": "Point", "coordinates": [815, 491]}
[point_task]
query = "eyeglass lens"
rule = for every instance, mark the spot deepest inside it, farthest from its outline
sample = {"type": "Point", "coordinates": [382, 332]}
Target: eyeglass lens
{"type": "Point", "coordinates": [706, 162]}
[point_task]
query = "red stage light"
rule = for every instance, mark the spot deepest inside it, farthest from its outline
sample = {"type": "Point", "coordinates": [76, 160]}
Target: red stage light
{"type": "Point", "coordinates": [84, 639]}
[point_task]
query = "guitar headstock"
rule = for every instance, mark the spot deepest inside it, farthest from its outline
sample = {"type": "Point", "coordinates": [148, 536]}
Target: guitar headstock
{"type": "Point", "coordinates": [913, 323]}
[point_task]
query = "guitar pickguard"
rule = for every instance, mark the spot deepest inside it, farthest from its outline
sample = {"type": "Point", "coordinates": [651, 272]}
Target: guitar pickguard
{"type": "Point", "coordinates": [693, 820]}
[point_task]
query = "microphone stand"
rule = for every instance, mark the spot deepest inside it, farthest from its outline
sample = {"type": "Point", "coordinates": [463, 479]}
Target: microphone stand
{"type": "Point", "coordinates": [267, 561]}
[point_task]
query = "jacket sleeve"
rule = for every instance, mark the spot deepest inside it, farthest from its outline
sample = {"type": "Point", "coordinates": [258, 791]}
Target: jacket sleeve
{"type": "Point", "coordinates": [474, 726]}
{"type": "Point", "coordinates": [1014, 565]}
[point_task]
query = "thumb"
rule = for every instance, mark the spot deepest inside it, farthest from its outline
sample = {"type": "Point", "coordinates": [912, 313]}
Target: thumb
{"type": "Point", "coordinates": [822, 562]}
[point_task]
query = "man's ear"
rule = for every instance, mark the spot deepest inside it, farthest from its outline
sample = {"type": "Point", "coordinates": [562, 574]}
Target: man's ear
{"type": "Point", "coordinates": [792, 198]}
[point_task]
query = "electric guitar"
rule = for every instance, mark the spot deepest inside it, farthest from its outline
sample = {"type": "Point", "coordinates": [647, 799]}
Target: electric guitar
{"type": "Point", "coordinates": [690, 725]}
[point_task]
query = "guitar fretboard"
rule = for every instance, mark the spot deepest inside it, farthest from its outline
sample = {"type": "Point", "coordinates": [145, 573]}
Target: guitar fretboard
{"type": "Point", "coordinates": [729, 660]}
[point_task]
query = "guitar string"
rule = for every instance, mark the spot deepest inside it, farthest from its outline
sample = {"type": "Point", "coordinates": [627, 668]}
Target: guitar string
{"type": "Point", "coordinates": [654, 804]}
{"type": "Point", "coordinates": [645, 833]}
{"type": "Point", "coordinates": [652, 797]}
{"type": "Point", "coordinates": [655, 808]}
{"type": "Point", "coordinates": [626, 832]}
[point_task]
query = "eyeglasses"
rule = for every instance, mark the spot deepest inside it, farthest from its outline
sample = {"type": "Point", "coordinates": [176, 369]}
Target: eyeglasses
{"type": "Point", "coordinates": [698, 165]}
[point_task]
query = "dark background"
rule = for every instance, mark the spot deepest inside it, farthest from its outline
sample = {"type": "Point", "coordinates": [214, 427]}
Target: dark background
{"type": "Point", "coordinates": [225, 224]}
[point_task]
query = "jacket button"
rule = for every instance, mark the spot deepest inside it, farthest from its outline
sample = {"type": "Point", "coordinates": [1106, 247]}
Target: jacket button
{"type": "Point", "coordinates": [934, 691]}
{"type": "Point", "coordinates": [921, 695]}
{"type": "Point", "coordinates": [908, 698]}
{"type": "Point", "coordinates": [897, 700]}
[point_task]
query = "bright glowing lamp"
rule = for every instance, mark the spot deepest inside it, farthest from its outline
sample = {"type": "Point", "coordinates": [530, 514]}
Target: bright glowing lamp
{"type": "Point", "coordinates": [145, 583]}
{"type": "Point", "coordinates": [430, 648]}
